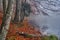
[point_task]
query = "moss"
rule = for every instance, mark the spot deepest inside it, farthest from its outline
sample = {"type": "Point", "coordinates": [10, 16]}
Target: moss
{"type": "Point", "coordinates": [51, 37]}
{"type": "Point", "coordinates": [29, 36]}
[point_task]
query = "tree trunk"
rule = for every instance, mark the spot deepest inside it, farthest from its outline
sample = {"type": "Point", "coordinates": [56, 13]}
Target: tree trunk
{"type": "Point", "coordinates": [6, 20]}
{"type": "Point", "coordinates": [19, 16]}
{"type": "Point", "coordinates": [17, 13]}
{"type": "Point", "coordinates": [5, 3]}
{"type": "Point", "coordinates": [0, 5]}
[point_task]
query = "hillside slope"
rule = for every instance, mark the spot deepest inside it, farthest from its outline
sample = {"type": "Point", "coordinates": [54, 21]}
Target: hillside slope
{"type": "Point", "coordinates": [26, 28]}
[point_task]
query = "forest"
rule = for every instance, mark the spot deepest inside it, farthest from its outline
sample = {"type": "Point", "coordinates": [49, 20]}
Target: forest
{"type": "Point", "coordinates": [15, 24]}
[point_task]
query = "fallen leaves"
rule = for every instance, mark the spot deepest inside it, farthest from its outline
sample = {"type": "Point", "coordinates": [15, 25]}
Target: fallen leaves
{"type": "Point", "coordinates": [27, 28]}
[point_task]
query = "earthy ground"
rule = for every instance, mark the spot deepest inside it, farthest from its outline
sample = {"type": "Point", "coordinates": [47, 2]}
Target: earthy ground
{"type": "Point", "coordinates": [26, 27]}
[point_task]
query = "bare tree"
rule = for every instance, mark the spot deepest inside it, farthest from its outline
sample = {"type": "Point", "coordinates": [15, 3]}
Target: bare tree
{"type": "Point", "coordinates": [6, 20]}
{"type": "Point", "coordinates": [22, 10]}
{"type": "Point", "coordinates": [5, 3]}
{"type": "Point", "coordinates": [19, 15]}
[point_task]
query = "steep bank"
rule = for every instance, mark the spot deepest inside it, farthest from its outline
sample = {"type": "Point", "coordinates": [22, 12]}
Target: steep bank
{"type": "Point", "coordinates": [26, 28]}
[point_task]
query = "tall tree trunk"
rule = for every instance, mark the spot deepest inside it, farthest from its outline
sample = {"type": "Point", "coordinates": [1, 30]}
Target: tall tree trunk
{"type": "Point", "coordinates": [17, 13]}
{"type": "Point", "coordinates": [19, 16]}
{"type": "Point", "coordinates": [0, 5]}
{"type": "Point", "coordinates": [6, 20]}
{"type": "Point", "coordinates": [5, 3]}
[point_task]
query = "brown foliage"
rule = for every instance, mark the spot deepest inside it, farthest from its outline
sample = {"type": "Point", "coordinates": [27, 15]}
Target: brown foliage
{"type": "Point", "coordinates": [26, 27]}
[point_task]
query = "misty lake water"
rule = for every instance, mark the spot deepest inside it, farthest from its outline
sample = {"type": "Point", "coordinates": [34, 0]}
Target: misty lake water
{"type": "Point", "coordinates": [49, 24]}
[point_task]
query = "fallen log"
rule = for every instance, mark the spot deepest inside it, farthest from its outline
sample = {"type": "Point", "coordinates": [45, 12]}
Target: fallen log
{"type": "Point", "coordinates": [28, 35]}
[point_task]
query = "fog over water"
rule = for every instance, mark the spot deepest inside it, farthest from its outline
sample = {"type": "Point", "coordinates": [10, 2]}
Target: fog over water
{"type": "Point", "coordinates": [48, 20]}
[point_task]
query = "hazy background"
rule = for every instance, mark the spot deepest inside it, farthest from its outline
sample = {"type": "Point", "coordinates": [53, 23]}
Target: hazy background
{"type": "Point", "coordinates": [49, 17]}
